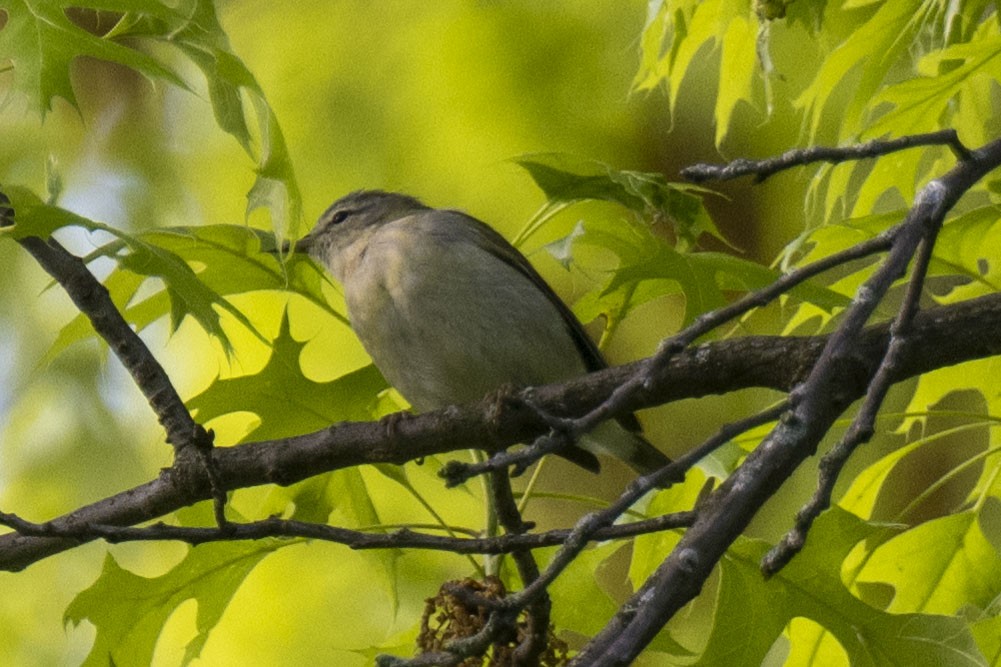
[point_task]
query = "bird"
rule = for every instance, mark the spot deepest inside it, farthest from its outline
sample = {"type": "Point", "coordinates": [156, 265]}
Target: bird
{"type": "Point", "coordinates": [450, 311]}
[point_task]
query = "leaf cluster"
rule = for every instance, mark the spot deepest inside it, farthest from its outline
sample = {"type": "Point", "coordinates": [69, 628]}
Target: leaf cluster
{"type": "Point", "coordinates": [881, 581]}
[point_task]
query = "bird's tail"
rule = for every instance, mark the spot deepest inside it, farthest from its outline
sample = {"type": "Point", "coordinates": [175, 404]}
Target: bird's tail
{"type": "Point", "coordinates": [632, 448]}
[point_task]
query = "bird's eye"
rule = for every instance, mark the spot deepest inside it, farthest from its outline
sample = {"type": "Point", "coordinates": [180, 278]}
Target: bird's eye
{"type": "Point", "coordinates": [339, 217]}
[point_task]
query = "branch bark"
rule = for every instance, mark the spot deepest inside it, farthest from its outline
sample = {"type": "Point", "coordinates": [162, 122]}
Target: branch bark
{"type": "Point", "coordinates": [816, 403]}
{"type": "Point", "coordinates": [93, 300]}
{"type": "Point", "coordinates": [822, 376]}
{"type": "Point", "coordinates": [713, 368]}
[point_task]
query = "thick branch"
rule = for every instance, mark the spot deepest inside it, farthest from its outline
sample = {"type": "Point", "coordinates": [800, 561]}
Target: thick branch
{"type": "Point", "coordinates": [93, 300]}
{"type": "Point", "coordinates": [823, 395]}
{"type": "Point", "coordinates": [863, 425]}
{"type": "Point", "coordinates": [714, 368]}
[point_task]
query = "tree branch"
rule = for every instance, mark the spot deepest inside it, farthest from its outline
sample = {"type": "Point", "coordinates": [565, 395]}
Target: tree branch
{"type": "Point", "coordinates": [93, 300]}
{"type": "Point", "coordinates": [403, 538]}
{"type": "Point", "coordinates": [713, 368]}
{"type": "Point", "coordinates": [863, 426]}
{"type": "Point", "coordinates": [816, 403]}
{"type": "Point", "coordinates": [762, 169]}
{"type": "Point", "coordinates": [823, 376]}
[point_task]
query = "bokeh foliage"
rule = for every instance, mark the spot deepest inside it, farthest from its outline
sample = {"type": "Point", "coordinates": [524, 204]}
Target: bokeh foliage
{"type": "Point", "coordinates": [188, 131]}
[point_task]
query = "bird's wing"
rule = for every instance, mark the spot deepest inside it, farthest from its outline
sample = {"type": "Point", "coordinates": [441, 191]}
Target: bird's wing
{"type": "Point", "coordinates": [491, 241]}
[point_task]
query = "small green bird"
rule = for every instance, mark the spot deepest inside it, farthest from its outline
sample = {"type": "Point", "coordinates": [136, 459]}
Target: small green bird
{"type": "Point", "coordinates": [450, 311]}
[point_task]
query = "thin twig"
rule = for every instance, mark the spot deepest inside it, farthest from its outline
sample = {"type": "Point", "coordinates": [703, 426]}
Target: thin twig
{"type": "Point", "coordinates": [818, 402]}
{"type": "Point", "coordinates": [712, 368]}
{"type": "Point", "coordinates": [94, 301]}
{"type": "Point", "coordinates": [591, 524]}
{"type": "Point", "coordinates": [275, 527]}
{"type": "Point", "coordinates": [863, 425]}
{"type": "Point", "coordinates": [457, 472]}
{"type": "Point", "coordinates": [762, 169]}
{"type": "Point", "coordinates": [539, 610]}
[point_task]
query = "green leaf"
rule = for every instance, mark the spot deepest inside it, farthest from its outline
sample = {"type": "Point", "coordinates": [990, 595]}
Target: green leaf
{"type": "Point", "coordinates": [201, 38]}
{"type": "Point", "coordinates": [129, 610]}
{"type": "Point", "coordinates": [920, 104]}
{"type": "Point", "coordinates": [811, 587]}
{"type": "Point", "coordinates": [654, 65]}
{"type": "Point", "coordinates": [342, 497]}
{"type": "Point", "coordinates": [649, 268]}
{"type": "Point", "coordinates": [42, 43]}
{"type": "Point", "coordinates": [827, 240]}
{"type": "Point", "coordinates": [283, 397]}
{"type": "Point", "coordinates": [566, 180]}
{"type": "Point", "coordinates": [353, 506]}
{"type": "Point", "coordinates": [864, 58]}
{"type": "Point", "coordinates": [737, 71]}
{"type": "Point", "coordinates": [228, 257]}
{"type": "Point", "coordinates": [938, 566]}
{"type": "Point", "coordinates": [675, 39]}
{"type": "Point", "coordinates": [979, 375]}
{"type": "Point", "coordinates": [276, 187]}
{"type": "Point", "coordinates": [186, 293]}
{"type": "Point", "coordinates": [231, 262]}
{"type": "Point", "coordinates": [861, 497]}
{"type": "Point", "coordinates": [987, 632]}
{"type": "Point", "coordinates": [964, 248]}
{"type": "Point", "coordinates": [33, 217]}
{"type": "Point", "coordinates": [585, 607]}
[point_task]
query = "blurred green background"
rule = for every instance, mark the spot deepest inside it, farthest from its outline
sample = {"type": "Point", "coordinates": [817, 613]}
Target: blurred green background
{"type": "Point", "coordinates": [429, 98]}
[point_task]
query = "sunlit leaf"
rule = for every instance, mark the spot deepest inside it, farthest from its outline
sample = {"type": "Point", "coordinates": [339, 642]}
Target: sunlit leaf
{"type": "Point", "coordinates": [649, 268]}
{"type": "Point", "coordinates": [987, 632]}
{"type": "Point", "coordinates": [568, 180]}
{"type": "Point", "coordinates": [231, 261]}
{"type": "Point", "coordinates": [42, 42]}
{"type": "Point", "coordinates": [938, 566]}
{"type": "Point", "coordinates": [811, 587]}
{"type": "Point", "coordinates": [864, 58]}
{"type": "Point", "coordinates": [966, 249]}
{"type": "Point", "coordinates": [282, 396]}
{"type": "Point", "coordinates": [737, 71]}
{"type": "Point", "coordinates": [187, 294]}
{"type": "Point", "coordinates": [129, 610]}
{"type": "Point", "coordinates": [919, 103]}
{"type": "Point", "coordinates": [587, 605]}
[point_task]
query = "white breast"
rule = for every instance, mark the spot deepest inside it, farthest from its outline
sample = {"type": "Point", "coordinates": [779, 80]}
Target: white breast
{"type": "Point", "coordinates": [447, 322]}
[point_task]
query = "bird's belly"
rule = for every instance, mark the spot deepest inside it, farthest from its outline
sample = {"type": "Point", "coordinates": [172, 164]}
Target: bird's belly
{"type": "Point", "coordinates": [456, 339]}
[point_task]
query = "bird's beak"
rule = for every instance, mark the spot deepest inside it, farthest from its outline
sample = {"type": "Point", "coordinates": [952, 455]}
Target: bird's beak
{"type": "Point", "coordinates": [301, 246]}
